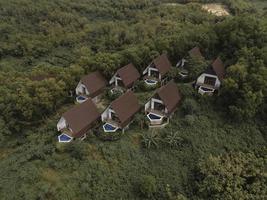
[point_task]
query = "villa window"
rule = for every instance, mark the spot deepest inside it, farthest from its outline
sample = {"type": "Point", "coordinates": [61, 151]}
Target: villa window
{"type": "Point", "coordinates": [159, 106]}
{"type": "Point", "coordinates": [114, 117]}
{"type": "Point", "coordinates": [210, 81]}
{"type": "Point", "coordinates": [83, 90]}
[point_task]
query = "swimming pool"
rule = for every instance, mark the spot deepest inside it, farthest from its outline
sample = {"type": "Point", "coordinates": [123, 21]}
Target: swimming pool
{"type": "Point", "coordinates": [207, 89]}
{"type": "Point", "coordinates": [64, 138]}
{"type": "Point", "coordinates": [109, 128]}
{"type": "Point", "coordinates": [81, 99]}
{"type": "Point", "coordinates": [151, 82]}
{"type": "Point", "coordinates": [154, 118]}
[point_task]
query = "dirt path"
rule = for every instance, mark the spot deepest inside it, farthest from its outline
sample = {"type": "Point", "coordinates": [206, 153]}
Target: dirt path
{"type": "Point", "coordinates": [216, 9]}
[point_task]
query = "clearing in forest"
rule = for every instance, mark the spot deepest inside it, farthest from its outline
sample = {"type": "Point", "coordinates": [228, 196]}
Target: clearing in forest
{"type": "Point", "coordinates": [216, 9]}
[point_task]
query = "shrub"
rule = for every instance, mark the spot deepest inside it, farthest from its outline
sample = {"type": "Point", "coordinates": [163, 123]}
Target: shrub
{"type": "Point", "coordinates": [150, 139]}
{"type": "Point", "coordinates": [77, 149]}
{"type": "Point", "coordinates": [148, 185]}
{"type": "Point", "coordinates": [111, 96]}
{"type": "Point", "coordinates": [190, 106]}
{"type": "Point", "coordinates": [173, 139]}
{"type": "Point", "coordinates": [189, 120]}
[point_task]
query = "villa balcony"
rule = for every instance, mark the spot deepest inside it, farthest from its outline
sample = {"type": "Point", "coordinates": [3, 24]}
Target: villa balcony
{"type": "Point", "coordinates": [205, 89]}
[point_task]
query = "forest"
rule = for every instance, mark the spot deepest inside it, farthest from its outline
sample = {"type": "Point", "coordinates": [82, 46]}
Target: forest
{"type": "Point", "coordinates": [214, 147]}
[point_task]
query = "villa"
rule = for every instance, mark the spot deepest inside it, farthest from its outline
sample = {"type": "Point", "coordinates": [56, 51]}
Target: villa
{"type": "Point", "coordinates": [119, 114]}
{"type": "Point", "coordinates": [78, 121]}
{"type": "Point", "coordinates": [211, 79]}
{"type": "Point", "coordinates": [91, 85]}
{"type": "Point", "coordinates": [124, 78]}
{"type": "Point", "coordinates": [193, 53]}
{"type": "Point", "coordinates": [156, 72]}
{"type": "Point", "coordinates": [162, 105]}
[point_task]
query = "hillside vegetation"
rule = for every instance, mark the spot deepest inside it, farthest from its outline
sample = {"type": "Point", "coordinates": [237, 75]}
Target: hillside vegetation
{"type": "Point", "coordinates": [214, 147]}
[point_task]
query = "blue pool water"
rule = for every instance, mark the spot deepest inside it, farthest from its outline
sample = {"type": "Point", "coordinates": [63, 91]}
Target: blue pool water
{"type": "Point", "coordinates": [206, 89]}
{"type": "Point", "coordinates": [109, 128]}
{"type": "Point", "coordinates": [152, 82]}
{"type": "Point", "coordinates": [64, 138]}
{"type": "Point", "coordinates": [81, 98]}
{"type": "Point", "coordinates": [153, 116]}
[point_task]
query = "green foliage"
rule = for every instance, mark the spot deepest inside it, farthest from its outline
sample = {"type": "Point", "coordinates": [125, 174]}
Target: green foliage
{"type": "Point", "coordinates": [174, 140]}
{"type": "Point", "coordinates": [112, 95]}
{"type": "Point", "coordinates": [195, 67]}
{"type": "Point", "coordinates": [233, 176]}
{"type": "Point", "coordinates": [245, 90]}
{"type": "Point", "coordinates": [190, 106]}
{"type": "Point", "coordinates": [150, 139]}
{"type": "Point", "coordinates": [60, 41]}
{"type": "Point", "coordinates": [148, 185]}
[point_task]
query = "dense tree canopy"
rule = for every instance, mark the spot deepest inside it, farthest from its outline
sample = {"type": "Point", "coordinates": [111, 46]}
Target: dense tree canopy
{"type": "Point", "coordinates": [212, 147]}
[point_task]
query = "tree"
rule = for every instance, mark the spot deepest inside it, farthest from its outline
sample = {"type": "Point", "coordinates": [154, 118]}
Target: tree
{"type": "Point", "coordinates": [190, 106]}
{"type": "Point", "coordinates": [233, 176]}
{"type": "Point", "coordinates": [148, 185]}
{"type": "Point", "coordinates": [195, 67]}
{"type": "Point", "coordinates": [243, 90]}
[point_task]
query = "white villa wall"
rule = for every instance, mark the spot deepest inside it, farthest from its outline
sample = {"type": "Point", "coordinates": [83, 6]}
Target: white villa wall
{"type": "Point", "coordinates": [106, 114]}
{"type": "Point", "coordinates": [151, 104]}
{"type": "Point", "coordinates": [181, 63]}
{"type": "Point", "coordinates": [61, 124]}
{"type": "Point", "coordinates": [79, 89]}
{"type": "Point", "coordinates": [147, 105]}
{"type": "Point", "coordinates": [149, 70]}
{"type": "Point", "coordinates": [115, 80]}
{"type": "Point", "coordinates": [201, 78]}
{"type": "Point", "coordinates": [153, 101]}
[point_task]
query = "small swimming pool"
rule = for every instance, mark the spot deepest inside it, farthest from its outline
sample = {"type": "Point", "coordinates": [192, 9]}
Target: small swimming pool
{"type": "Point", "coordinates": [207, 89]}
{"type": "Point", "coordinates": [151, 82]}
{"type": "Point", "coordinates": [109, 128]}
{"type": "Point", "coordinates": [183, 73]}
{"type": "Point", "coordinates": [81, 99]}
{"type": "Point", "coordinates": [64, 138]}
{"type": "Point", "coordinates": [154, 117]}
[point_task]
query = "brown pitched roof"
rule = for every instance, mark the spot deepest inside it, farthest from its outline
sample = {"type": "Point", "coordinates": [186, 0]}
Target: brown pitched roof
{"type": "Point", "coordinates": [195, 52]}
{"type": "Point", "coordinates": [162, 63]}
{"type": "Point", "coordinates": [129, 74]}
{"type": "Point", "coordinates": [170, 96]}
{"type": "Point", "coordinates": [81, 117]}
{"type": "Point", "coordinates": [125, 107]}
{"type": "Point", "coordinates": [95, 83]}
{"type": "Point", "coordinates": [218, 68]}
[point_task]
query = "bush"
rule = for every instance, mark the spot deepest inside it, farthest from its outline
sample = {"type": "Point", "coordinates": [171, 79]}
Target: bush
{"type": "Point", "coordinates": [148, 185]}
{"type": "Point", "coordinates": [142, 87]}
{"type": "Point", "coordinates": [190, 106]}
{"type": "Point", "coordinates": [189, 120]}
{"type": "Point", "coordinates": [187, 90]}
{"type": "Point", "coordinates": [77, 149]}
{"type": "Point", "coordinates": [150, 139]}
{"type": "Point", "coordinates": [111, 96]}
{"type": "Point", "coordinates": [173, 139]}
